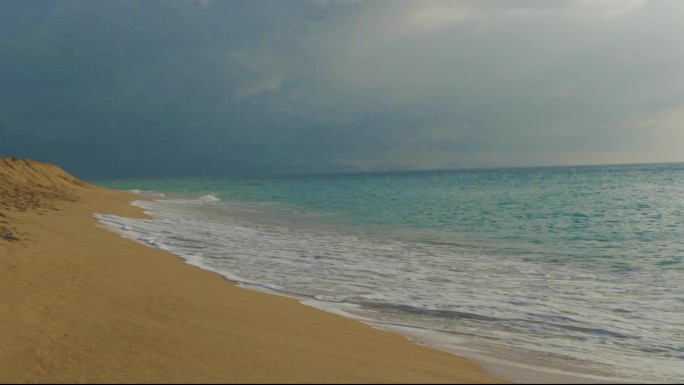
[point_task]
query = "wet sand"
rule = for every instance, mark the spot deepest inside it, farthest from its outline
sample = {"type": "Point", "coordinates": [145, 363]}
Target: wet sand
{"type": "Point", "coordinates": [82, 304]}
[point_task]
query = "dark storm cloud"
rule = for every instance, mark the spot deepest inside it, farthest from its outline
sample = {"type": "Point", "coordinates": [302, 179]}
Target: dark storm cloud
{"type": "Point", "coordinates": [149, 87]}
{"type": "Point", "coordinates": [140, 88]}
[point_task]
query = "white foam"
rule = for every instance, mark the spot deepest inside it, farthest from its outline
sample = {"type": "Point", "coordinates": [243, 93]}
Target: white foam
{"type": "Point", "coordinates": [147, 192]}
{"type": "Point", "coordinates": [346, 274]}
{"type": "Point", "coordinates": [209, 198]}
{"type": "Point", "coordinates": [501, 361]}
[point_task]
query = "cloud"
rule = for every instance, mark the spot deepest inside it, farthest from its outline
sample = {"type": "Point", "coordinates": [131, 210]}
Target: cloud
{"type": "Point", "coordinates": [611, 8]}
{"type": "Point", "coordinates": [203, 3]}
{"type": "Point", "coordinates": [671, 118]}
{"type": "Point", "coordinates": [433, 15]}
{"type": "Point", "coordinates": [161, 87]}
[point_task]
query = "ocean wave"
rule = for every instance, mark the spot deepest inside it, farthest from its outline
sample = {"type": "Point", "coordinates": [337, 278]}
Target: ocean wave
{"type": "Point", "coordinates": [209, 198]}
{"type": "Point", "coordinates": [531, 303]}
{"type": "Point", "coordinates": [146, 192]}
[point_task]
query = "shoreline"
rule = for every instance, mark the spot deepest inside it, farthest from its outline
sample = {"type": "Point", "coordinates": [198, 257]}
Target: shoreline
{"type": "Point", "coordinates": [510, 364]}
{"type": "Point", "coordinates": [83, 304]}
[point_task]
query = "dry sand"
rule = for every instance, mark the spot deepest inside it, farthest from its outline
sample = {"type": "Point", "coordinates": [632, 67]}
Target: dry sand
{"type": "Point", "coordinates": [79, 303]}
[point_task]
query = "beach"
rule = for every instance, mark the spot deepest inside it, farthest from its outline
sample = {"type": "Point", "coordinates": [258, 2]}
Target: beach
{"type": "Point", "coordinates": [80, 303]}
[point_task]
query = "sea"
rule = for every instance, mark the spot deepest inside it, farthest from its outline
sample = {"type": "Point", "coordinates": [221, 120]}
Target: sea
{"type": "Point", "coordinates": [547, 274]}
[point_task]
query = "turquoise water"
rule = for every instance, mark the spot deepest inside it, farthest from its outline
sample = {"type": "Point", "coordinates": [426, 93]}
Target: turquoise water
{"type": "Point", "coordinates": [580, 267]}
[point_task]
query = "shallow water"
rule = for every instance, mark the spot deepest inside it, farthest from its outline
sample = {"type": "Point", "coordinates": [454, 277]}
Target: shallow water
{"type": "Point", "coordinates": [575, 268]}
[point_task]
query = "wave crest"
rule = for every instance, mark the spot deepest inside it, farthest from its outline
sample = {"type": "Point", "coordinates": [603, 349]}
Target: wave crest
{"type": "Point", "coordinates": [209, 198]}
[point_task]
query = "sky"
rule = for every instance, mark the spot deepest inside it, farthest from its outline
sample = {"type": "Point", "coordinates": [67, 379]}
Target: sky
{"type": "Point", "coordinates": [110, 89]}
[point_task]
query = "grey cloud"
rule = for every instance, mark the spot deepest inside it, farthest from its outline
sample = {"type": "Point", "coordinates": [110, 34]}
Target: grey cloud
{"type": "Point", "coordinates": [139, 88]}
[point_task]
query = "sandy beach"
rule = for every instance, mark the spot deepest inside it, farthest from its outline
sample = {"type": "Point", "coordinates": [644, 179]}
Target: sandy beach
{"type": "Point", "coordinates": [82, 304]}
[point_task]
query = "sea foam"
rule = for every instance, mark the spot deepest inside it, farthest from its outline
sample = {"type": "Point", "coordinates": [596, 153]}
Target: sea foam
{"type": "Point", "coordinates": [576, 269]}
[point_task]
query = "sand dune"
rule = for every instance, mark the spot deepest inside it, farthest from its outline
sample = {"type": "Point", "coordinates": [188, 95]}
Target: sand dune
{"type": "Point", "coordinates": [81, 304]}
{"type": "Point", "coordinates": [29, 185]}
